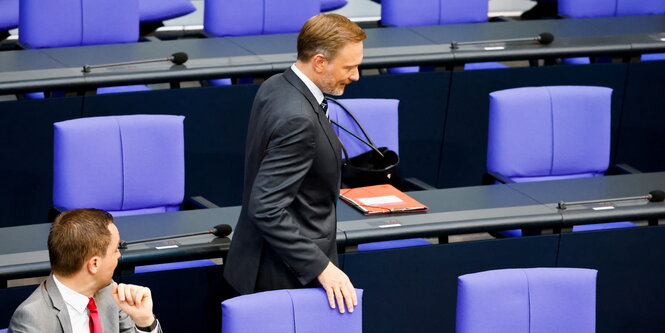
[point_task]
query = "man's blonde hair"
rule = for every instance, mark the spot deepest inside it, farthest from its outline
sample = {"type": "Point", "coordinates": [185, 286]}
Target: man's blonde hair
{"type": "Point", "coordinates": [327, 34]}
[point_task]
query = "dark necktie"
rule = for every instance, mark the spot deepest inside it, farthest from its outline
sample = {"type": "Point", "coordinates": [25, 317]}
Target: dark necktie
{"type": "Point", "coordinates": [93, 320]}
{"type": "Point", "coordinates": [324, 106]}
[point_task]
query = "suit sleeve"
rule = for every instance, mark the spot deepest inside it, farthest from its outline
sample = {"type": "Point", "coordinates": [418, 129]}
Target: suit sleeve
{"type": "Point", "coordinates": [25, 321]}
{"type": "Point", "coordinates": [127, 325]}
{"type": "Point", "coordinates": [286, 161]}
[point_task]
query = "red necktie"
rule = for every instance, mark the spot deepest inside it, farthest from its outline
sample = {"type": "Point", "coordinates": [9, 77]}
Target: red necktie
{"type": "Point", "coordinates": [93, 321]}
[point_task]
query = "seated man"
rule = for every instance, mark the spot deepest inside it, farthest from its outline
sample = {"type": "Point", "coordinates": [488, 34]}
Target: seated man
{"type": "Point", "coordinates": [80, 295]}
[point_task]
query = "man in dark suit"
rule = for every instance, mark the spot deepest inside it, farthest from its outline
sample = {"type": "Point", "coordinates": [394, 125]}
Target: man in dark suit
{"type": "Point", "coordinates": [80, 296]}
{"type": "Point", "coordinates": [285, 237]}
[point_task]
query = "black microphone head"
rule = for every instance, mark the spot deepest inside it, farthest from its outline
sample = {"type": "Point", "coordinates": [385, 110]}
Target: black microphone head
{"type": "Point", "coordinates": [179, 58]}
{"type": "Point", "coordinates": [545, 38]}
{"type": "Point", "coordinates": [657, 196]}
{"type": "Point", "coordinates": [222, 230]}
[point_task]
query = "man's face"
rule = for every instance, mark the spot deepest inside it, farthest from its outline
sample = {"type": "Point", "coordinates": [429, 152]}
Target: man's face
{"type": "Point", "coordinates": [342, 70]}
{"type": "Point", "coordinates": [109, 261]}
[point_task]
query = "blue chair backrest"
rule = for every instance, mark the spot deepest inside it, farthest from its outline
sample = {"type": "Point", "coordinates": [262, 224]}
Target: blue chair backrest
{"type": "Point", "coordinates": [288, 311]}
{"type": "Point", "coordinates": [527, 300]}
{"type": "Point", "coordinates": [406, 13]}
{"type": "Point", "coordinates": [59, 23]}
{"type": "Point", "coordinates": [257, 17]}
{"type": "Point", "coordinates": [8, 15]}
{"type": "Point", "coordinates": [160, 10]}
{"type": "Point", "coordinates": [332, 4]}
{"type": "Point", "coordinates": [545, 133]}
{"type": "Point", "coordinates": [126, 165]}
{"type": "Point", "coordinates": [604, 8]}
{"type": "Point", "coordinates": [379, 117]}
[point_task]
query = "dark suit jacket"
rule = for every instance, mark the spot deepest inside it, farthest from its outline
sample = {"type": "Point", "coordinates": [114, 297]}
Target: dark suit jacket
{"type": "Point", "coordinates": [46, 311]}
{"type": "Point", "coordinates": [286, 233]}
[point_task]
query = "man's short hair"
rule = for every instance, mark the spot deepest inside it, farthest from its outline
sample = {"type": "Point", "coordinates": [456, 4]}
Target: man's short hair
{"type": "Point", "coordinates": [327, 34]}
{"type": "Point", "coordinates": [76, 236]}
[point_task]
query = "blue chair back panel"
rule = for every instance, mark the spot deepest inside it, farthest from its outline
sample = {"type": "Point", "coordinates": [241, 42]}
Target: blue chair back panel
{"type": "Point", "coordinates": [587, 8]}
{"type": "Point", "coordinates": [603, 8]}
{"type": "Point", "coordinates": [59, 23]}
{"type": "Point", "coordinates": [549, 131]}
{"type": "Point", "coordinates": [332, 4]}
{"type": "Point", "coordinates": [406, 13]}
{"type": "Point", "coordinates": [119, 163]}
{"type": "Point", "coordinates": [286, 311]}
{"type": "Point", "coordinates": [640, 7]}
{"type": "Point", "coordinates": [8, 15]}
{"type": "Point", "coordinates": [159, 10]}
{"type": "Point", "coordinates": [257, 17]}
{"type": "Point", "coordinates": [527, 300]}
{"type": "Point", "coordinates": [379, 117]}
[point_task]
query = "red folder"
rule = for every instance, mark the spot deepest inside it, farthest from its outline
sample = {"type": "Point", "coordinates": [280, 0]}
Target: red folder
{"type": "Point", "coordinates": [380, 199]}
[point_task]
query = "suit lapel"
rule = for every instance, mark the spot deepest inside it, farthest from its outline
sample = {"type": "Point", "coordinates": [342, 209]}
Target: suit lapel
{"type": "Point", "coordinates": [333, 140]}
{"type": "Point", "coordinates": [58, 304]}
{"type": "Point", "coordinates": [108, 312]}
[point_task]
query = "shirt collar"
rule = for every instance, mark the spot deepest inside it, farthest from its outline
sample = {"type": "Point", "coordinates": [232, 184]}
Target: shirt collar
{"type": "Point", "coordinates": [75, 300]}
{"type": "Point", "coordinates": [318, 95]}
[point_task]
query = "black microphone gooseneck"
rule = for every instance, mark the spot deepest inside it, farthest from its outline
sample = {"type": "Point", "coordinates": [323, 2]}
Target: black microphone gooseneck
{"type": "Point", "coordinates": [220, 230]}
{"type": "Point", "coordinates": [177, 58]}
{"type": "Point", "coordinates": [544, 38]}
{"type": "Point", "coordinates": [653, 196]}
{"type": "Point", "coordinates": [370, 143]}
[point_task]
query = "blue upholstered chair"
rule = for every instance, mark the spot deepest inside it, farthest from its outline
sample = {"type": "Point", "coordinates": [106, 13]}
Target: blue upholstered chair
{"type": "Point", "coordinates": [527, 300]}
{"type": "Point", "coordinates": [3, 330]}
{"type": "Point", "coordinates": [126, 165]}
{"type": "Point", "coordinates": [609, 8]}
{"type": "Point", "coordinates": [255, 17]}
{"type": "Point", "coordinates": [550, 133]}
{"type": "Point", "coordinates": [404, 13]}
{"type": "Point", "coordinates": [160, 10]}
{"type": "Point", "coordinates": [327, 5]}
{"type": "Point", "coordinates": [380, 120]}
{"type": "Point", "coordinates": [61, 23]}
{"type": "Point", "coordinates": [8, 16]}
{"type": "Point", "coordinates": [288, 311]}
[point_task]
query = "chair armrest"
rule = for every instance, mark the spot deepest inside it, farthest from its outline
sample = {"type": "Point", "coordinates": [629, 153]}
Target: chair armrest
{"type": "Point", "coordinates": [415, 184]}
{"type": "Point", "coordinates": [198, 202]}
{"type": "Point", "coordinates": [490, 178]}
{"type": "Point", "coordinates": [622, 169]}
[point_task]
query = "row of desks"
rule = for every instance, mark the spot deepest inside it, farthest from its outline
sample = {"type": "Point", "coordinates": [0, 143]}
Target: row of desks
{"type": "Point", "coordinates": [452, 211]}
{"type": "Point", "coordinates": [61, 68]}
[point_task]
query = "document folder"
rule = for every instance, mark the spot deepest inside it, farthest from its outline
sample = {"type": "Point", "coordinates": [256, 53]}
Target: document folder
{"type": "Point", "coordinates": [380, 199]}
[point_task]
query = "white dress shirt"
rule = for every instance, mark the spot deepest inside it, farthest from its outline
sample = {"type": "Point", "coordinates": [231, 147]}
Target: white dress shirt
{"type": "Point", "coordinates": [310, 85]}
{"type": "Point", "coordinates": [77, 307]}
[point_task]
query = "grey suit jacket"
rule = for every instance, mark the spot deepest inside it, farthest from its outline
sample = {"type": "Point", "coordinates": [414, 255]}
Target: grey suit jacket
{"type": "Point", "coordinates": [286, 232]}
{"type": "Point", "coordinates": [45, 311]}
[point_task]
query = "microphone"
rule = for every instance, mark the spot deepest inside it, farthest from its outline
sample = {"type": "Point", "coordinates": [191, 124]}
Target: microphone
{"type": "Point", "coordinates": [653, 196]}
{"type": "Point", "coordinates": [177, 58]}
{"type": "Point", "coordinates": [544, 38]}
{"type": "Point", "coordinates": [220, 230]}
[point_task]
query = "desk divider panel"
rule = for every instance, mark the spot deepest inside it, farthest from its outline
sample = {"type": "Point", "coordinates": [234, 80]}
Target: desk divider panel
{"type": "Point", "coordinates": [464, 149]}
{"type": "Point", "coordinates": [642, 138]}
{"type": "Point", "coordinates": [415, 289]}
{"type": "Point", "coordinates": [26, 142]}
{"type": "Point", "coordinates": [215, 130]}
{"type": "Point", "coordinates": [422, 113]}
{"type": "Point", "coordinates": [630, 288]}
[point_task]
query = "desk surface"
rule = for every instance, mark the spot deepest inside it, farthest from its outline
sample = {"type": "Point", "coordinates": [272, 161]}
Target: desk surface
{"type": "Point", "coordinates": [452, 211]}
{"type": "Point", "coordinates": [45, 69]}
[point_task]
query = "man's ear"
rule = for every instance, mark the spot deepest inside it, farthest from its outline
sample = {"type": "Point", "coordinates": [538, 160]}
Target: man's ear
{"type": "Point", "coordinates": [92, 265]}
{"type": "Point", "coordinates": [319, 63]}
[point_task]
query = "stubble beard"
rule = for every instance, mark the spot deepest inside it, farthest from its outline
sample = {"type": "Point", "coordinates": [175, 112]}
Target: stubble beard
{"type": "Point", "coordinates": [330, 86]}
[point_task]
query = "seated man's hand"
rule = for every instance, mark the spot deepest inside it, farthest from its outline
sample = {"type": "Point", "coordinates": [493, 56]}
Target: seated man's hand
{"type": "Point", "coordinates": [135, 301]}
{"type": "Point", "coordinates": [338, 287]}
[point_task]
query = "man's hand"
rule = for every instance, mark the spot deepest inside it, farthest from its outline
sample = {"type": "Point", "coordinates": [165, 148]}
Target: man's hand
{"type": "Point", "coordinates": [338, 287]}
{"type": "Point", "coordinates": [135, 301]}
